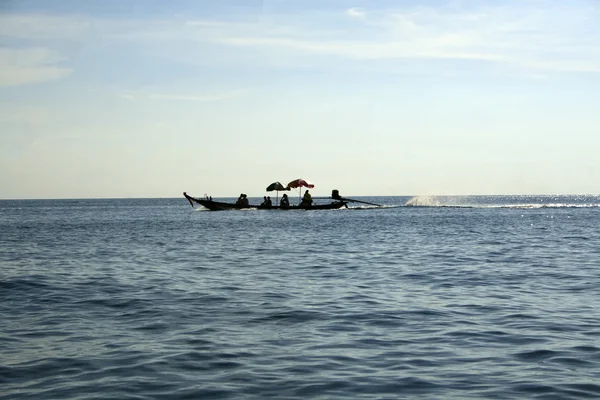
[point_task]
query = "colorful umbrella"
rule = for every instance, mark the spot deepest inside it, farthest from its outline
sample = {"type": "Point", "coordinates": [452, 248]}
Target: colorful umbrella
{"type": "Point", "coordinates": [299, 183]}
{"type": "Point", "coordinates": [277, 186]}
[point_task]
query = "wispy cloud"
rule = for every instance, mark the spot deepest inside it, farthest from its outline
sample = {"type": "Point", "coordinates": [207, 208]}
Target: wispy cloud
{"type": "Point", "coordinates": [30, 65]}
{"type": "Point", "coordinates": [200, 97]}
{"type": "Point", "coordinates": [26, 114]}
{"type": "Point", "coordinates": [32, 41]}
{"type": "Point", "coordinates": [35, 26]}
{"type": "Point", "coordinates": [531, 35]}
{"type": "Point", "coordinates": [355, 12]}
{"type": "Point", "coordinates": [368, 51]}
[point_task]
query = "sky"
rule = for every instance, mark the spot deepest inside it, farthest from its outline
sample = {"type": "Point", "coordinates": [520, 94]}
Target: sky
{"type": "Point", "coordinates": [148, 98]}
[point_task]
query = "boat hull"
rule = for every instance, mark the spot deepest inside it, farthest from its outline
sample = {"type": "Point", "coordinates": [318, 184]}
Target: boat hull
{"type": "Point", "coordinates": [221, 206]}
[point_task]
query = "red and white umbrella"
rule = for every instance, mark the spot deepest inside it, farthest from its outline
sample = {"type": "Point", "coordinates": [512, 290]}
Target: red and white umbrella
{"type": "Point", "coordinates": [299, 183]}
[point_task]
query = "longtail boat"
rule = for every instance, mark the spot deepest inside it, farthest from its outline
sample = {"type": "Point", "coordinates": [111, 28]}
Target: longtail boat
{"type": "Point", "coordinates": [306, 204]}
{"type": "Point", "coordinates": [213, 205]}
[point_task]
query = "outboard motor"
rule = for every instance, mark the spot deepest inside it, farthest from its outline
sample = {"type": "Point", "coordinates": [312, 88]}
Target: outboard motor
{"type": "Point", "coordinates": [335, 194]}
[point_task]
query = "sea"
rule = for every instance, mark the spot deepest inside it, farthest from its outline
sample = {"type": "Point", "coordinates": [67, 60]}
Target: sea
{"type": "Point", "coordinates": [427, 297]}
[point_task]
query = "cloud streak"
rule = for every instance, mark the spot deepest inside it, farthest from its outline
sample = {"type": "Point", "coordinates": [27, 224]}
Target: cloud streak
{"type": "Point", "coordinates": [199, 97]}
{"type": "Point", "coordinates": [530, 36]}
{"type": "Point", "coordinates": [355, 12]}
{"type": "Point", "coordinates": [42, 26]}
{"type": "Point", "coordinates": [30, 65]}
{"type": "Point", "coordinates": [32, 41]}
{"type": "Point", "coordinates": [559, 38]}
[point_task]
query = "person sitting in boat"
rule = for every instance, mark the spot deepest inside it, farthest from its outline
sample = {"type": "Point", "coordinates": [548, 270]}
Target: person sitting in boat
{"type": "Point", "coordinates": [306, 200]}
{"type": "Point", "coordinates": [269, 202]}
{"type": "Point", "coordinates": [240, 199]}
{"type": "Point", "coordinates": [244, 202]}
{"type": "Point", "coordinates": [264, 203]}
{"type": "Point", "coordinates": [285, 202]}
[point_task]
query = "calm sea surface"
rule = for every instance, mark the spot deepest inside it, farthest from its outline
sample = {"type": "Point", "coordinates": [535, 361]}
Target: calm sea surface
{"type": "Point", "coordinates": [457, 298]}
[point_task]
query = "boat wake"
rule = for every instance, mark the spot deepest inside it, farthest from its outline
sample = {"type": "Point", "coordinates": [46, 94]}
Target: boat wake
{"type": "Point", "coordinates": [556, 205]}
{"type": "Point", "coordinates": [424, 201]}
{"type": "Point", "coordinates": [517, 202]}
{"type": "Point", "coordinates": [370, 207]}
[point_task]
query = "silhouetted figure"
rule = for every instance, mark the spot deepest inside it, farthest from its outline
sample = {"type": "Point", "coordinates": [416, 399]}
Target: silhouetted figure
{"type": "Point", "coordinates": [306, 200]}
{"type": "Point", "coordinates": [285, 202]}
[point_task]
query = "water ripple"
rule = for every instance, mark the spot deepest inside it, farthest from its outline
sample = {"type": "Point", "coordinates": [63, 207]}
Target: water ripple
{"type": "Point", "coordinates": [113, 300]}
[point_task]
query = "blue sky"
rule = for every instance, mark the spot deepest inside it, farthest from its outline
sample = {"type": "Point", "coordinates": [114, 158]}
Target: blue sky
{"type": "Point", "coordinates": [151, 98]}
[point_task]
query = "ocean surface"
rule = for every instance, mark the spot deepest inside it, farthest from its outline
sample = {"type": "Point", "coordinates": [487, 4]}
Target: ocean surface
{"type": "Point", "coordinates": [471, 297]}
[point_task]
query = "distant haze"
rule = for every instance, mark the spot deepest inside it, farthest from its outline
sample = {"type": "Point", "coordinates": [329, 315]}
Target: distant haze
{"type": "Point", "coordinates": [153, 98]}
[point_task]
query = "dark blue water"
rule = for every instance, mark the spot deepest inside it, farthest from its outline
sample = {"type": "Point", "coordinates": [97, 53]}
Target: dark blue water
{"type": "Point", "coordinates": [460, 298]}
